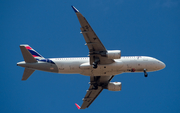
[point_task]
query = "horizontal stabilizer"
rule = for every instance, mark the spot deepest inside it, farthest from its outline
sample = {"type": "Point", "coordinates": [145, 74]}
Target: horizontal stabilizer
{"type": "Point", "coordinates": [27, 73]}
{"type": "Point", "coordinates": [28, 58]}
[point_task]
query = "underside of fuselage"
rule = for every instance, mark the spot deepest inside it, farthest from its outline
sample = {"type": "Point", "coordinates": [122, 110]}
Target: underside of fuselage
{"type": "Point", "coordinates": [82, 66]}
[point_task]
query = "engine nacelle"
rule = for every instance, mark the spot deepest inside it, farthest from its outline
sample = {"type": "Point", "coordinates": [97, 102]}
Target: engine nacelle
{"type": "Point", "coordinates": [114, 86]}
{"type": "Point", "coordinates": [113, 54]}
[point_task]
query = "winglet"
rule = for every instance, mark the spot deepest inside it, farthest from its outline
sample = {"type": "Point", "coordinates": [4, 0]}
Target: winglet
{"type": "Point", "coordinates": [76, 11]}
{"type": "Point", "coordinates": [77, 106]}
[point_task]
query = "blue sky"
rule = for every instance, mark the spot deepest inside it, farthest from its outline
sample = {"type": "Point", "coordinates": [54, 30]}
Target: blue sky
{"type": "Point", "coordinates": [137, 28]}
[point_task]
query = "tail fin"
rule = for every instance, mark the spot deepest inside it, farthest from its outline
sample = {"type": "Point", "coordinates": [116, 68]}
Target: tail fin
{"type": "Point", "coordinates": [29, 54]}
{"type": "Point", "coordinates": [27, 73]}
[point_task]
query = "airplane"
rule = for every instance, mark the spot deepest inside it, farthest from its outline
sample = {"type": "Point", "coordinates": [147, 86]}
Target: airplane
{"type": "Point", "coordinates": [101, 65]}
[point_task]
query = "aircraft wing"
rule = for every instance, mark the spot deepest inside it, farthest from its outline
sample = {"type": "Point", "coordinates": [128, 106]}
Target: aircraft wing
{"type": "Point", "coordinates": [97, 51]}
{"type": "Point", "coordinates": [92, 93]}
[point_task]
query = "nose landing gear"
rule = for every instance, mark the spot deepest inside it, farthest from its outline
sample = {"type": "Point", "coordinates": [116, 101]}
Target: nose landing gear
{"type": "Point", "coordinates": [145, 73]}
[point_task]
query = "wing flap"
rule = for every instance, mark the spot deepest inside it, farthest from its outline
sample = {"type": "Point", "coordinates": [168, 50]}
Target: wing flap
{"type": "Point", "coordinates": [90, 96]}
{"type": "Point", "coordinates": [95, 46]}
{"type": "Point", "coordinates": [90, 36]}
{"type": "Point", "coordinates": [92, 93]}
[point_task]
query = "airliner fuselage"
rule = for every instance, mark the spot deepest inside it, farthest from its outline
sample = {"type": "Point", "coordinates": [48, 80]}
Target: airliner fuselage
{"type": "Point", "coordinates": [81, 65]}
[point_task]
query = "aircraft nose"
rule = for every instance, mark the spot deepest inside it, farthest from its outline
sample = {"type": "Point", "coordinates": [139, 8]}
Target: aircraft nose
{"type": "Point", "coordinates": [161, 65]}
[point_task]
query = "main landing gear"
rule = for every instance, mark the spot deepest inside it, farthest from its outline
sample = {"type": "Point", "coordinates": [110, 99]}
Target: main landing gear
{"type": "Point", "coordinates": [145, 73]}
{"type": "Point", "coordinates": [94, 65]}
{"type": "Point", "coordinates": [95, 86]}
{"type": "Point", "coordinates": [96, 61]}
{"type": "Point", "coordinates": [95, 82]}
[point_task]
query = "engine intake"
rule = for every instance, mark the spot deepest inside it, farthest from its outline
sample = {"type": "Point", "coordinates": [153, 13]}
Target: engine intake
{"type": "Point", "coordinates": [113, 54]}
{"type": "Point", "coordinates": [114, 86]}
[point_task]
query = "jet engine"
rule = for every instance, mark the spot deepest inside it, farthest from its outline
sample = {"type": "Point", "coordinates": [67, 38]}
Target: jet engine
{"type": "Point", "coordinates": [114, 86]}
{"type": "Point", "coordinates": [113, 54]}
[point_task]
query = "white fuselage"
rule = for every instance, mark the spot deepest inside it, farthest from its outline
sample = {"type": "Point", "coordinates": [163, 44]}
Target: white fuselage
{"type": "Point", "coordinates": [125, 64]}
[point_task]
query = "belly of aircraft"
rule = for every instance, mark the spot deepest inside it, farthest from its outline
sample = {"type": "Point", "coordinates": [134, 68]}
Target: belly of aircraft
{"type": "Point", "coordinates": [119, 66]}
{"type": "Point", "coordinates": [86, 69]}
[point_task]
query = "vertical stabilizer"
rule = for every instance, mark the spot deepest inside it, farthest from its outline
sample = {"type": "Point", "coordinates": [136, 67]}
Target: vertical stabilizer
{"type": "Point", "coordinates": [27, 73]}
{"type": "Point", "coordinates": [29, 54]}
{"type": "Point", "coordinates": [28, 58]}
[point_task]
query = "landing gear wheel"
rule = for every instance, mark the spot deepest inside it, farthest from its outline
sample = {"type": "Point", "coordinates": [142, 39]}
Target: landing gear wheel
{"type": "Point", "coordinates": [94, 65]}
{"type": "Point", "coordinates": [95, 86]}
{"type": "Point", "coordinates": [145, 73]}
